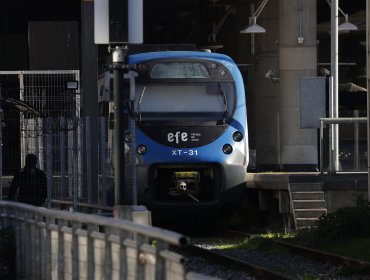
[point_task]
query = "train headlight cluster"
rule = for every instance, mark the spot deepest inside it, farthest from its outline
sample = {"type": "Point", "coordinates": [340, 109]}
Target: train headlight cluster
{"type": "Point", "coordinates": [222, 73]}
{"type": "Point", "coordinates": [237, 136]}
{"type": "Point", "coordinates": [227, 149]}
{"type": "Point", "coordinates": [141, 149]}
{"type": "Point", "coordinates": [213, 66]}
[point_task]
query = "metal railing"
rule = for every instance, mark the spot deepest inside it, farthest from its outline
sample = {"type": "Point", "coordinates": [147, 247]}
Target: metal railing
{"type": "Point", "coordinates": [52, 244]}
{"type": "Point", "coordinates": [336, 121]}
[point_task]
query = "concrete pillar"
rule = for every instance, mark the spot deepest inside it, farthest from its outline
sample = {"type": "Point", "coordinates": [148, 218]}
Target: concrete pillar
{"type": "Point", "coordinates": [368, 97]}
{"type": "Point", "coordinates": [89, 72]}
{"type": "Point", "coordinates": [297, 58]}
{"type": "Point", "coordinates": [266, 90]}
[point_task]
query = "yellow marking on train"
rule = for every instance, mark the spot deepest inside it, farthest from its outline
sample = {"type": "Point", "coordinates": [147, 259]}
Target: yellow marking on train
{"type": "Point", "coordinates": [186, 174]}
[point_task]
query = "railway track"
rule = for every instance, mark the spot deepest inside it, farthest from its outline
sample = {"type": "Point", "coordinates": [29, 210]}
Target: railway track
{"type": "Point", "coordinates": [236, 264]}
{"type": "Point", "coordinates": [293, 262]}
{"type": "Point", "coordinates": [325, 256]}
{"type": "Point", "coordinates": [318, 255]}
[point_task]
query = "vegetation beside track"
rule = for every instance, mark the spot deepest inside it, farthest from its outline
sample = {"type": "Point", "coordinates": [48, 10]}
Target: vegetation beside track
{"type": "Point", "coordinates": [344, 232]}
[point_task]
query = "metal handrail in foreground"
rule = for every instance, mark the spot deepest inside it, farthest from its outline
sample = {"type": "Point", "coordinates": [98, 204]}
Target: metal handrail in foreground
{"type": "Point", "coordinates": [323, 123]}
{"type": "Point", "coordinates": [53, 244]}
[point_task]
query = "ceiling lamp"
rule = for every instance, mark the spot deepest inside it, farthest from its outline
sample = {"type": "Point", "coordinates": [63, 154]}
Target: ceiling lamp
{"type": "Point", "coordinates": [346, 25]}
{"type": "Point", "coordinates": [253, 27]}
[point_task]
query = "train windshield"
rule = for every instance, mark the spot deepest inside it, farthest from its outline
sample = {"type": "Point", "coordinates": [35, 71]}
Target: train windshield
{"type": "Point", "coordinates": [185, 102]}
{"type": "Point", "coordinates": [176, 70]}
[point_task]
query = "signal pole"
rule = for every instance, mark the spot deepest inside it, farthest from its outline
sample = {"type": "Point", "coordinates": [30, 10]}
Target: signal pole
{"type": "Point", "coordinates": [108, 32]}
{"type": "Point", "coordinates": [118, 58]}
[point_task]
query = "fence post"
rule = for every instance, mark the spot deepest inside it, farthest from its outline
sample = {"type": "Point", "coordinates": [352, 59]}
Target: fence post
{"type": "Point", "coordinates": [49, 160]}
{"type": "Point", "coordinates": [356, 144]}
{"type": "Point", "coordinates": [103, 162]}
{"type": "Point", "coordinates": [321, 146]}
{"type": "Point", "coordinates": [37, 142]}
{"type": "Point", "coordinates": [48, 247]}
{"type": "Point", "coordinates": [75, 166]}
{"type": "Point", "coordinates": [62, 142]}
{"type": "Point", "coordinates": [88, 159]}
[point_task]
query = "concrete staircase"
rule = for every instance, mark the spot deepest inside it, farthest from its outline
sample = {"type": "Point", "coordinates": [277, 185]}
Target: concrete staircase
{"type": "Point", "coordinates": [307, 202]}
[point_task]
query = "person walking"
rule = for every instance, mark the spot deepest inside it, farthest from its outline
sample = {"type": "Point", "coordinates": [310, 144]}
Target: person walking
{"type": "Point", "coordinates": [30, 183]}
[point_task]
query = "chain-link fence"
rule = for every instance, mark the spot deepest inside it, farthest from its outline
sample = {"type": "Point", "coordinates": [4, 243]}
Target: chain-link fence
{"type": "Point", "coordinates": [41, 115]}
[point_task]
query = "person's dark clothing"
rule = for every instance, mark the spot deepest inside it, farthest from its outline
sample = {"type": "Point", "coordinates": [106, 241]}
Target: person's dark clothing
{"type": "Point", "coordinates": [31, 185]}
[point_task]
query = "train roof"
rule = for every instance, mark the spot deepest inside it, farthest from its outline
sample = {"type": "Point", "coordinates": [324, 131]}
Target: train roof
{"type": "Point", "coordinates": [137, 58]}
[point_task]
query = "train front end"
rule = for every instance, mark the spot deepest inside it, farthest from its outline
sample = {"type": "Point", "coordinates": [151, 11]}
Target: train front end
{"type": "Point", "coordinates": [191, 130]}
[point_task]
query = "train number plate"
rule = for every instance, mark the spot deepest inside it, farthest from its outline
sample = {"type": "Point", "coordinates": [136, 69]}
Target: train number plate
{"type": "Point", "coordinates": [180, 152]}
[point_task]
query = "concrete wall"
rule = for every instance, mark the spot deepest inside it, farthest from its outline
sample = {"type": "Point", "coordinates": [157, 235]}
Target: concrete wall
{"type": "Point", "coordinates": [266, 92]}
{"type": "Point", "coordinates": [288, 48]}
{"type": "Point", "coordinates": [343, 190]}
{"type": "Point", "coordinates": [297, 56]}
{"type": "Point", "coordinates": [336, 199]}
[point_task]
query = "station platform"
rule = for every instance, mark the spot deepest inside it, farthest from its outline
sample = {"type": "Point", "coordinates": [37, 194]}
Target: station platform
{"type": "Point", "coordinates": [281, 180]}
{"type": "Point", "coordinates": [307, 195]}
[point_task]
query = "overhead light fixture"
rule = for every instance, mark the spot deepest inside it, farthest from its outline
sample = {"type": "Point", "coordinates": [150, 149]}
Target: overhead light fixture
{"type": "Point", "coordinates": [253, 27]}
{"type": "Point", "coordinates": [346, 25]}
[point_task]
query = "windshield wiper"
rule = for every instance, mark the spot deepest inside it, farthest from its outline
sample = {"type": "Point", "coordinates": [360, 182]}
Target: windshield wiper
{"type": "Point", "coordinates": [138, 113]}
{"type": "Point", "coordinates": [223, 95]}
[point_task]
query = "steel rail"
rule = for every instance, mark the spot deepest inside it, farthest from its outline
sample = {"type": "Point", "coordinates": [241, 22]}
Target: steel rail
{"type": "Point", "coordinates": [258, 271]}
{"type": "Point", "coordinates": [313, 253]}
{"type": "Point", "coordinates": [325, 256]}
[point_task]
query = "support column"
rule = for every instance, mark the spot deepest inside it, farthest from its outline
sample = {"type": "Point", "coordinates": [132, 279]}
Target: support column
{"type": "Point", "coordinates": [368, 97]}
{"type": "Point", "coordinates": [266, 89]}
{"type": "Point", "coordinates": [298, 58]}
{"type": "Point", "coordinates": [89, 71]}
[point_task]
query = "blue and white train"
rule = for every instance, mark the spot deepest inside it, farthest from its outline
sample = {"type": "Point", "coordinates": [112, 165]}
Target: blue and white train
{"type": "Point", "coordinates": [191, 130]}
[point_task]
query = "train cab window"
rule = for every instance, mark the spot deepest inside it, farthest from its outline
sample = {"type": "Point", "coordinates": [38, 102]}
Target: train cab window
{"type": "Point", "coordinates": [179, 70]}
{"type": "Point", "coordinates": [184, 101]}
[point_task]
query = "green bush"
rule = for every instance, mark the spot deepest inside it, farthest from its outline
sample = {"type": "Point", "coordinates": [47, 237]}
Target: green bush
{"type": "Point", "coordinates": [346, 222]}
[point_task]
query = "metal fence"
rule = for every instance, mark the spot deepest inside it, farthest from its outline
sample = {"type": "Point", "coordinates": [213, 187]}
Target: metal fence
{"type": "Point", "coordinates": [40, 114]}
{"type": "Point", "coordinates": [352, 154]}
{"type": "Point", "coordinates": [54, 244]}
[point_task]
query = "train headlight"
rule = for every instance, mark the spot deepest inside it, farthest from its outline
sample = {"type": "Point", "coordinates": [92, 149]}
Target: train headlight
{"type": "Point", "coordinates": [227, 149]}
{"type": "Point", "coordinates": [141, 149]}
{"type": "Point", "coordinates": [237, 136]}
{"type": "Point", "coordinates": [222, 73]}
{"type": "Point", "coordinates": [213, 66]}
